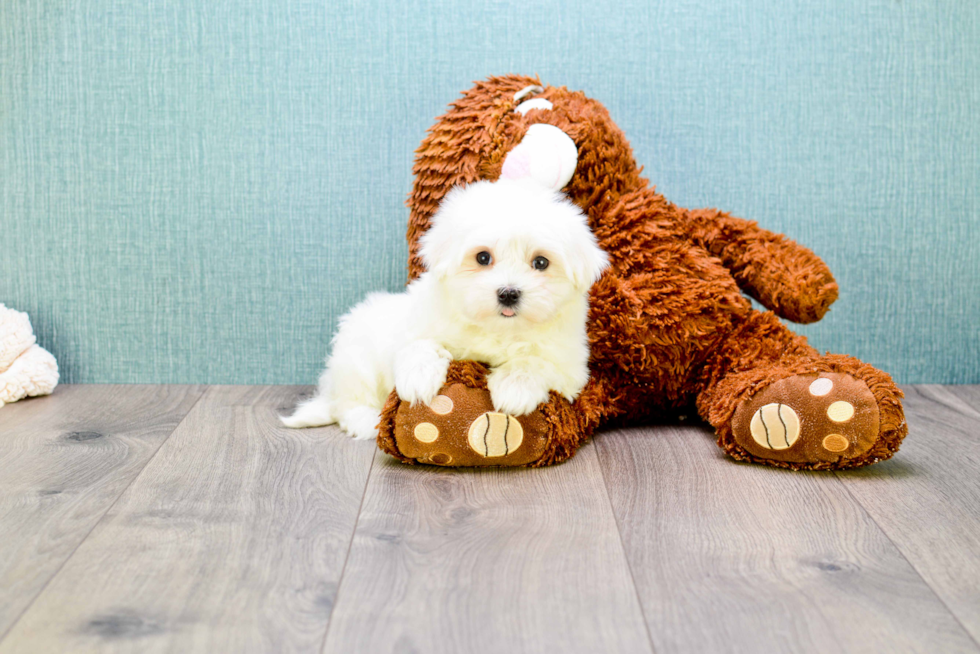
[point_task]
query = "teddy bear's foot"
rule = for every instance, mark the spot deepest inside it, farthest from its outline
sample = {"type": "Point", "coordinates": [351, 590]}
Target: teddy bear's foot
{"type": "Point", "coordinates": [460, 427]}
{"type": "Point", "coordinates": [809, 419]}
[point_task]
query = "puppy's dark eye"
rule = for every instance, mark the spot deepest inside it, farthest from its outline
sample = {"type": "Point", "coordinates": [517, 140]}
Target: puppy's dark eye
{"type": "Point", "coordinates": [484, 258]}
{"type": "Point", "coordinates": [539, 263]}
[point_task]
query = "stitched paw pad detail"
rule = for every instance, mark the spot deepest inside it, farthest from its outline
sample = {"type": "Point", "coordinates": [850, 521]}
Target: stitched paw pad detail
{"type": "Point", "coordinates": [459, 427]}
{"type": "Point", "coordinates": [495, 434]}
{"type": "Point", "coordinates": [809, 418]}
{"type": "Point", "coordinates": [775, 426]}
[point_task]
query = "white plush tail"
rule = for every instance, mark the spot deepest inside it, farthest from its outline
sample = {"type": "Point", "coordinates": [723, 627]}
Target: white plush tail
{"type": "Point", "coordinates": [315, 412]}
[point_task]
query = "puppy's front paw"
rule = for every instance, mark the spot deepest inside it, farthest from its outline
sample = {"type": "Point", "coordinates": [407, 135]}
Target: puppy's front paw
{"type": "Point", "coordinates": [419, 386]}
{"type": "Point", "coordinates": [420, 371]}
{"type": "Point", "coordinates": [516, 393]}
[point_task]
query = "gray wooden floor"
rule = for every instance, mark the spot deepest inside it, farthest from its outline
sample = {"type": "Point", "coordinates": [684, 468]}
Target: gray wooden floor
{"type": "Point", "coordinates": [184, 519]}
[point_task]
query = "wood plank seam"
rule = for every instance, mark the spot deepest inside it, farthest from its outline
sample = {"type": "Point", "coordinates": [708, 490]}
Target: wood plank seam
{"type": "Point", "coordinates": [232, 539]}
{"type": "Point", "coordinates": [870, 515]}
{"type": "Point", "coordinates": [483, 560]}
{"type": "Point", "coordinates": [350, 543]}
{"type": "Point", "coordinates": [898, 549]}
{"type": "Point", "coordinates": [622, 547]}
{"type": "Point", "coordinates": [108, 508]}
{"type": "Point", "coordinates": [848, 534]}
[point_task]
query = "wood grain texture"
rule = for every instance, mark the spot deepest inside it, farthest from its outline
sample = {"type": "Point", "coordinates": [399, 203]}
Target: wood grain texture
{"type": "Point", "coordinates": [64, 459]}
{"type": "Point", "coordinates": [231, 540]}
{"type": "Point", "coordinates": [969, 394]}
{"type": "Point", "coordinates": [927, 498]}
{"type": "Point", "coordinates": [508, 560]}
{"type": "Point", "coordinates": [228, 533]}
{"type": "Point", "coordinates": [736, 557]}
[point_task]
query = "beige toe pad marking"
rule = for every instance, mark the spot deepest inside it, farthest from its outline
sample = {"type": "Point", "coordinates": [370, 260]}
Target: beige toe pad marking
{"type": "Point", "coordinates": [775, 426]}
{"type": "Point", "coordinates": [441, 405]}
{"type": "Point", "coordinates": [495, 434]}
{"type": "Point", "coordinates": [840, 411]}
{"type": "Point", "coordinates": [838, 418]}
{"type": "Point", "coordinates": [835, 443]}
{"type": "Point", "coordinates": [821, 387]}
{"type": "Point", "coordinates": [426, 432]}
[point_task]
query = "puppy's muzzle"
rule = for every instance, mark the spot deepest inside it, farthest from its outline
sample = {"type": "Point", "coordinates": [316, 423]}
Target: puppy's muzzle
{"type": "Point", "coordinates": [508, 297]}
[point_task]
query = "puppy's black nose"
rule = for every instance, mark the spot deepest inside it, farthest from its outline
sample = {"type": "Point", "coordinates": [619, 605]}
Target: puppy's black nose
{"type": "Point", "coordinates": [508, 296]}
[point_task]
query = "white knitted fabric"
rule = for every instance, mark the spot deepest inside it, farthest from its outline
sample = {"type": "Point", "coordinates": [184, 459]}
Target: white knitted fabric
{"type": "Point", "coordinates": [25, 368]}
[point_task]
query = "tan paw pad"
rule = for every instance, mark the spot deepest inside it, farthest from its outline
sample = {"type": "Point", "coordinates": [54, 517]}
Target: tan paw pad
{"type": "Point", "coordinates": [835, 443]}
{"type": "Point", "coordinates": [840, 411]}
{"type": "Point", "coordinates": [821, 386]}
{"type": "Point", "coordinates": [808, 419]}
{"type": "Point", "coordinates": [426, 432]}
{"type": "Point", "coordinates": [495, 434]}
{"type": "Point", "coordinates": [459, 427]}
{"type": "Point", "coordinates": [442, 405]}
{"type": "Point", "coordinates": [775, 426]}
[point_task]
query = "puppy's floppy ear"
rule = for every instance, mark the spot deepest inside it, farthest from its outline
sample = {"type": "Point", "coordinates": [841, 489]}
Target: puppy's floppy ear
{"type": "Point", "coordinates": [438, 245]}
{"type": "Point", "coordinates": [435, 249]}
{"type": "Point", "coordinates": [585, 261]}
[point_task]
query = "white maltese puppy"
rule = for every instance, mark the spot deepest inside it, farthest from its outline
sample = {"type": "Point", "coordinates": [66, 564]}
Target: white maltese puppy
{"type": "Point", "coordinates": [509, 266]}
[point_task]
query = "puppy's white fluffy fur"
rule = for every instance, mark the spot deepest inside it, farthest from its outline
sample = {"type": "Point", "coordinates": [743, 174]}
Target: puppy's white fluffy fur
{"type": "Point", "coordinates": [454, 311]}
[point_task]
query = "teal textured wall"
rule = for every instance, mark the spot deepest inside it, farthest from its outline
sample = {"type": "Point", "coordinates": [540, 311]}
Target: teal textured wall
{"type": "Point", "coordinates": [194, 191]}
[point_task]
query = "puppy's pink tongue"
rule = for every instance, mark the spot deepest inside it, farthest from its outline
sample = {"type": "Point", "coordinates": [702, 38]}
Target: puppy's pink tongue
{"type": "Point", "coordinates": [507, 312]}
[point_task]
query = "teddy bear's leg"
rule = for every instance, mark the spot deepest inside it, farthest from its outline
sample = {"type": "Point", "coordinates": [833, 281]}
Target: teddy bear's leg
{"type": "Point", "coordinates": [775, 400]}
{"type": "Point", "coordinates": [461, 429]}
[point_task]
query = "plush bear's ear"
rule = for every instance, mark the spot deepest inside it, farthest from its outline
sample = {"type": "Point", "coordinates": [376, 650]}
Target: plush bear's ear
{"type": "Point", "coordinates": [545, 154]}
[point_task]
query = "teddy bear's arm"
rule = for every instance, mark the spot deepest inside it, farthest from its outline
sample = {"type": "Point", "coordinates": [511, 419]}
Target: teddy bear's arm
{"type": "Point", "coordinates": [784, 276]}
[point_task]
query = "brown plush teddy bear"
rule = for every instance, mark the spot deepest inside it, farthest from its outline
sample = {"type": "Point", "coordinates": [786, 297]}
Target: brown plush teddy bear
{"type": "Point", "coordinates": [668, 324]}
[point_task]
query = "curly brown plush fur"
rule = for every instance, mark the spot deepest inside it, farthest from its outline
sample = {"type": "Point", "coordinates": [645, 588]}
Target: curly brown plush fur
{"type": "Point", "coordinates": [669, 325]}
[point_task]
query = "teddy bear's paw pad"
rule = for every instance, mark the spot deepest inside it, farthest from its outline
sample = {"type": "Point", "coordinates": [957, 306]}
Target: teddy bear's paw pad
{"type": "Point", "coordinates": [495, 434]}
{"type": "Point", "coordinates": [809, 419]}
{"type": "Point", "coordinates": [460, 428]}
